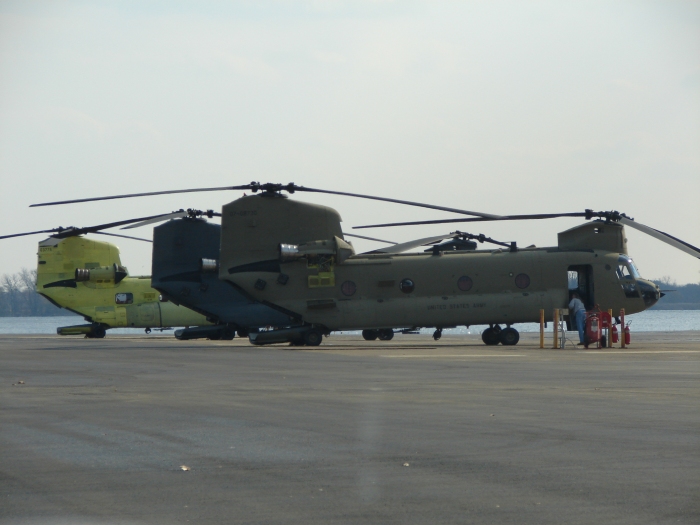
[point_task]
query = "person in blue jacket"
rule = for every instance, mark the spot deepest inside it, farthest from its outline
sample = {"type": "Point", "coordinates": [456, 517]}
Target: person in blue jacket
{"type": "Point", "coordinates": [578, 315]}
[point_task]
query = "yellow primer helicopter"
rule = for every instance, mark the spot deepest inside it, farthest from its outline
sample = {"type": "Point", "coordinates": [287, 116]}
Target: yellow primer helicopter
{"type": "Point", "coordinates": [86, 276]}
{"type": "Point", "coordinates": [292, 256]}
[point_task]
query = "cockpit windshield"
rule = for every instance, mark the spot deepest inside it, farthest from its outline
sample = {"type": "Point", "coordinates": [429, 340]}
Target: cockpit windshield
{"type": "Point", "coordinates": [626, 268]}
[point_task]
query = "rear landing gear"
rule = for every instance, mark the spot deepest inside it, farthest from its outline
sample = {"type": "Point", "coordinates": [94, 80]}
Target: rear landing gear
{"type": "Point", "coordinates": [312, 337]}
{"type": "Point", "coordinates": [97, 332]}
{"type": "Point", "coordinates": [437, 334]}
{"type": "Point", "coordinates": [370, 335]}
{"type": "Point", "coordinates": [383, 334]}
{"type": "Point", "coordinates": [228, 333]}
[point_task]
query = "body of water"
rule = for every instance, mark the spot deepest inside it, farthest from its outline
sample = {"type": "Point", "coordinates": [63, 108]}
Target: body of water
{"type": "Point", "coordinates": [48, 325]}
{"type": "Point", "coordinates": [648, 321]}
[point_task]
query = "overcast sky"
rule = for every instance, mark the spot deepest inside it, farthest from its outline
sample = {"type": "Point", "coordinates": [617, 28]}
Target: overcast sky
{"type": "Point", "coordinates": [502, 107]}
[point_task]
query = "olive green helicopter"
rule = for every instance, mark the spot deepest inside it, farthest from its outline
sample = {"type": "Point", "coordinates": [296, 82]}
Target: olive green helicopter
{"type": "Point", "coordinates": [293, 257]}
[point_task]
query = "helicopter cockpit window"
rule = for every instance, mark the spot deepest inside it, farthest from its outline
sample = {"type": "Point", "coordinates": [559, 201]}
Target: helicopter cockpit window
{"type": "Point", "coordinates": [627, 273]}
{"type": "Point", "coordinates": [626, 268]}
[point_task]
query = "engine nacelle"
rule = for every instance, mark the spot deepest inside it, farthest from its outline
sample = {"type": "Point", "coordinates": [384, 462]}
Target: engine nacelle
{"type": "Point", "coordinates": [336, 246]}
{"type": "Point", "coordinates": [208, 265]}
{"type": "Point", "coordinates": [102, 274]}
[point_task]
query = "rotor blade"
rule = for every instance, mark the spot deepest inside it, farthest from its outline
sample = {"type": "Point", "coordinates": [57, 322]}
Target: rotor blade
{"type": "Point", "coordinates": [405, 246]}
{"type": "Point", "coordinates": [94, 229]}
{"type": "Point", "coordinates": [269, 187]}
{"type": "Point", "coordinates": [477, 219]}
{"type": "Point", "coordinates": [397, 201]}
{"type": "Point", "coordinates": [366, 238]}
{"type": "Point", "coordinates": [28, 233]}
{"type": "Point", "coordinates": [167, 192]}
{"type": "Point", "coordinates": [662, 236]}
{"type": "Point", "coordinates": [62, 233]}
{"type": "Point", "coordinates": [158, 218]}
{"type": "Point", "coordinates": [123, 236]}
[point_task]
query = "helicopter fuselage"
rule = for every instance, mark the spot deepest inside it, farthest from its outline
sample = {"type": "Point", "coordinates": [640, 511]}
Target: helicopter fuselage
{"type": "Point", "coordinates": [451, 289]}
{"type": "Point", "coordinates": [291, 255]}
{"type": "Point", "coordinates": [107, 296]}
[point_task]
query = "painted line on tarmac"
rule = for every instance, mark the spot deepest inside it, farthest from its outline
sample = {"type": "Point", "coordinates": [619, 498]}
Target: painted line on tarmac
{"type": "Point", "coordinates": [452, 355]}
{"type": "Point", "coordinates": [640, 352]}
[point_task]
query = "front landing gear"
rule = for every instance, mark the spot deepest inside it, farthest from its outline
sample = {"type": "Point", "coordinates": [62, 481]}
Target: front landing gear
{"type": "Point", "coordinates": [490, 336]}
{"type": "Point", "coordinates": [509, 336]}
{"type": "Point", "coordinates": [494, 334]}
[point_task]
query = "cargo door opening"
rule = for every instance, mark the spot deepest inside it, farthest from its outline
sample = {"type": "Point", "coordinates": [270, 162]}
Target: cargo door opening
{"type": "Point", "coordinates": [581, 281]}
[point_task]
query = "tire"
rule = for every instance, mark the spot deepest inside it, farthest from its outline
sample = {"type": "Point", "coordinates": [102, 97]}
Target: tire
{"type": "Point", "coordinates": [228, 333]}
{"type": "Point", "coordinates": [313, 337]}
{"type": "Point", "coordinates": [509, 337]}
{"type": "Point", "coordinates": [242, 332]}
{"type": "Point", "coordinates": [386, 334]}
{"type": "Point", "coordinates": [490, 337]}
{"type": "Point", "coordinates": [370, 335]}
{"type": "Point", "coordinates": [98, 333]}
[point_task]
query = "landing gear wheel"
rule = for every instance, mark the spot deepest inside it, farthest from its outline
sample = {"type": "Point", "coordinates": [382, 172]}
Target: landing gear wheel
{"type": "Point", "coordinates": [242, 332]}
{"type": "Point", "coordinates": [313, 337]}
{"type": "Point", "coordinates": [97, 333]}
{"type": "Point", "coordinates": [228, 333]}
{"type": "Point", "coordinates": [490, 336]}
{"type": "Point", "coordinates": [509, 336]}
{"type": "Point", "coordinates": [370, 335]}
{"type": "Point", "coordinates": [437, 334]}
{"type": "Point", "coordinates": [386, 334]}
{"type": "Point", "coordinates": [214, 337]}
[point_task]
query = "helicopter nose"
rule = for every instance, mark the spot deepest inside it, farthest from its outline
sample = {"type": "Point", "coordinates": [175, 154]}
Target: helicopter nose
{"type": "Point", "coordinates": [650, 293]}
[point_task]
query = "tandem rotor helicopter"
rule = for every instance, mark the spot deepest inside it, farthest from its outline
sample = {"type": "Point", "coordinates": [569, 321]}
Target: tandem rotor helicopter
{"type": "Point", "coordinates": [86, 276]}
{"type": "Point", "coordinates": [107, 297]}
{"type": "Point", "coordinates": [292, 257]}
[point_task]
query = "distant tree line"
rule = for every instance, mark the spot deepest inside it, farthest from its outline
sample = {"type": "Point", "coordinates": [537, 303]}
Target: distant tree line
{"type": "Point", "coordinates": [18, 297]}
{"type": "Point", "coordinates": [678, 297]}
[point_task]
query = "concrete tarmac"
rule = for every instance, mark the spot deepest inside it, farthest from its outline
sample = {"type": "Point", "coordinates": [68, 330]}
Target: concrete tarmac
{"type": "Point", "coordinates": [151, 430]}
